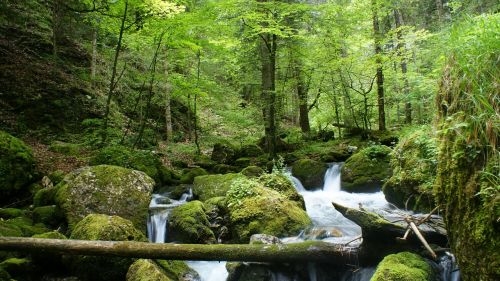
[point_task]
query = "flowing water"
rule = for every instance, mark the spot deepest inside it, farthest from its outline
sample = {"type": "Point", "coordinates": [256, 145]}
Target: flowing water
{"type": "Point", "coordinates": [328, 225]}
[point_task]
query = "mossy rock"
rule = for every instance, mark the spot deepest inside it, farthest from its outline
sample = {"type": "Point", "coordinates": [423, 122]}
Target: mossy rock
{"type": "Point", "coordinates": [48, 215]}
{"type": "Point", "coordinates": [283, 185]}
{"type": "Point", "coordinates": [23, 224]}
{"type": "Point", "coordinates": [105, 228]}
{"type": "Point", "coordinates": [367, 169]}
{"type": "Point", "coordinates": [225, 169]}
{"type": "Point", "coordinates": [105, 189]}
{"type": "Point", "coordinates": [243, 162]}
{"type": "Point", "coordinates": [223, 153]}
{"type": "Point", "coordinates": [339, 153]}
{"type": "Point", "coordinates": [403, 266]}
{"type": "Point", "coordinates": [9, 230]}
{"type": "Point", "coordinates": [45, 196]}
{"type": "Point", "coordinates": [253, 171]}
{"type": "Point", "coordinates": [250, 150]}
{"type": "Point", "coordinates": [52, 261]}
{"type": "Point", "coordinates": [176, 192]}
{"type": "Point", "coordinates": [9, 213]}
{"type": "Point", "coordinates": [141, 160]}
{"type": "Point", "coordinates": [311, 173]}
{"type": "Point", "coordinates": [256, 209]}
{"type": "Point", "coordinates": [414, 164]}
{"type": "Point", "coordinates": [178, 270]}
{"type": "Point", "coordinates": [206, 187]}
{"type": "Point", "coordinates": [56, 177]}
{"type": "Point", "coordinates": [204, 161]}
{"type": "Point", "coordinates": [17, 167]}
{"type": "Point", "coordinates": [190, 174]}
{"type": "Point", "coordinates": [146, 270]}
{"type": "Point", "coordinates": [50, 235]}
{"type": "Point", "coordinates": [189, 223]}
{"type": "Point", "coordinates": [18, 268]}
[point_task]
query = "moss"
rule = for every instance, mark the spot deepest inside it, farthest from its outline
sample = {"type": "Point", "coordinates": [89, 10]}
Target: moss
{"type": "Point", "coordinates": [50, 235]}
{"type": "Point", "coordinates": [107, 190]}
{"type": "Point", "coordinates": [106, 228]}
{"type": "Point", "coordinates": [190, 174]}
{"type": "Point", "coordinates": [243, 162]}
{"type": "Point", "coordinates": [175, 192]}
{"type": "Point", "coordinates": [189, 223]}
{"type": "Point", "coordinates": [255, 209]}
{"type": "Point", "coordinates": [9, 213]}
{"type": "Point", "coordinates": [310, 172]}
{"type": "Point", "coordinates": [224, 169]}
{"type": "Point", "coordinates": [177, 270]}
{"type": "Point", "coordinates": [48, 215]}
{"type": "Point", "coordinates": [223, 153]}
{"type": "Point", "coordinates": [366, 169]}
{"type": "Point", "coordinates": [250, 150]}
{"type": "Point", "coordinates": [252, 171]}
{"type": "Point", "coordinates": [403, 266]}
{"type": "Point", "coordinates": [413, 162]}
{"type": "Point", "coordinates": [283, 185]}
{"type": "Point", "coordinates": [44, 197]}
{"type": "Point", "coordinates": [71, 149]}
{"type": "Point", "coordinates": [17, 167]}
{"type": "Point", "coordinates": [17, 267]}
{"type": "Point", "coordinates": [146, 270]}
{"type": "Point", "coordinates": [9, 230]}
{"type": "Point", "coordinates": [206, 187]}
{"type": "Point", "coordinates": [26, 226]}
{"type": "Point", "coordinates": [56, 177]}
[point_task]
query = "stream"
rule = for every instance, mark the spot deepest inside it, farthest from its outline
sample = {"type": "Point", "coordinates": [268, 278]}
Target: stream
{"type": "Point", "coordinates": [328, 225]}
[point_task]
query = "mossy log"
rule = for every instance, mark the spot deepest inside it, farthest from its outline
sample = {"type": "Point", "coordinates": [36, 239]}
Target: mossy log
{"type": "Point", "coordinates": [311, 251]}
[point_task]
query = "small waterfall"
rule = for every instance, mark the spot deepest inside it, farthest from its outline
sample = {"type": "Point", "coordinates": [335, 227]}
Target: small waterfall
{"type": "Point", "coordinates": [362, 274]}
{"type": "Point", "coordinates": [448, 267]}
{"type": "Point", "coordinates": [311, 267]}
{"type": "Point", "coordinates": [332, 178]}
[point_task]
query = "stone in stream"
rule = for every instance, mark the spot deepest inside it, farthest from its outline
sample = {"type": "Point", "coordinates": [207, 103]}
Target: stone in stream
{"type": "Point", "coordinates": [105, 228]}
{"type": "Point", "coordinates": [105, 189]}
{"type": "Point", "coordinates": [404, 266]}
{"type": "Point", "coordinates": [189, 223]}
{"type": "Point", "coordinates": [310, 173]}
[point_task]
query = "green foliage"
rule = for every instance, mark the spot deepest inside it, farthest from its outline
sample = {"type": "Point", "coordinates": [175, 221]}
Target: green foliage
{"type": "Point", "coordinates": [241, 188]}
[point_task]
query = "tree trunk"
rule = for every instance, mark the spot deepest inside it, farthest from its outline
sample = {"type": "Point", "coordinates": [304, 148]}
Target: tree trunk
{"type": "Point", "coordinates": [377, 35]}
{"type": "Point", "coordinates": [168, 110]}
{"type": "Point", "coordinates": [93, 64]}
{"type": "Point", "coordinates": [112, 83]}
{"type": "Point", "coordinates": [198, 57]}
{"type": "Point", "coordinates": [404, 67]}
{"type": "Point", "coordinates": [268, 58]}
{"type": "Point", "coordinates": [311, 251]}
{"type": "Point", "coordinates": [302, 90]}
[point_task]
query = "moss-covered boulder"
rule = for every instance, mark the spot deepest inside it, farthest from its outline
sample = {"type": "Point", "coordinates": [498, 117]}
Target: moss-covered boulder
{"type": "Point", "coordinates": [404, 266]}
{"type": "Point", "coordinates": [141, 160]}
{"type": "Point", "coordinates": [253, 171]}
{"type": "Point", "coordinates": [189, 223]}
{"type": "Point", "coordinates": [45, 196]}
{"type": "Point", "coordinates": [339, 153]}
{"type": "Point", "coordinates": [225, 169]}
{"type": "Point", "coordinates": [21, 226]}
{"type": "Point", "coordinates": [9, 230]}
{"type": "Point", "coordinates": [413, 162]}
{"type": "Point", "coordinates": [106, 228]}
{"type": "Point", "coordinates": [311, 173]}
{"type": "Point", "coordinates": [17, 167]}
{"type": "Point", "coordinates": [178, 270]}
{"type": "Point", "coordinates": [206, 187]}
{"type": "Point", "coordinates": [367, 169]}
{"type": "Point", "coordinates": [223, 153]}
{"type": "Point", "coordinates": [105, 189]}
{"type": "Point", "coordinates": [283, 185]}
{"type": "Point", "coordinates": [250, 150]}
{"type": "Point", "coordinates": [10, 213]}
{"type": "Point", "coordinates": [254, 208]}
{"type": "Point", "coordinates": [190, 174]}
{"type": "Point", "coordinates": [48, 215]}
{"type": "Point", "coordinates": [146, 270]}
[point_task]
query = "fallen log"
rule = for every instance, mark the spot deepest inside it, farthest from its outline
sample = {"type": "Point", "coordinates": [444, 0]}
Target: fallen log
{"type": "Point", "coordinates": [309, 251]}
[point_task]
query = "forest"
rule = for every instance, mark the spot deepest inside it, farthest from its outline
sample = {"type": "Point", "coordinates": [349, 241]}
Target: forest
{"type": "Point", "coordinates": [250, 140]}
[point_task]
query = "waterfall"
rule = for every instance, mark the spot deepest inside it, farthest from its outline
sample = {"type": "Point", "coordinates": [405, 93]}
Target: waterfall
{"type": "Point", "coordinates": [448, 267]}
{"type": "Point", "coordinates": [332, 178]}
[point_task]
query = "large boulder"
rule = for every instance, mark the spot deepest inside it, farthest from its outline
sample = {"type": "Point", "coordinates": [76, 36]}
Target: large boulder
{"type": "Point", "coordinates": [283, 185]}
{"type": "Point", "coordinates": [17, 167]}
{"type": "Point", "coordinates": [311, 173]}
{"type": "Point", "coordinates": [209, 186]}
{"type": "Point", "coordinates": [414, 163]}
{"type": "Point", "coordinates": [367, 169]}
{"type": "Point", "coordinates": [223, 153]}
{"type": "Point", "coordinates": [189, 223]}
{"type": "Point", "coordinates": [106, 228]}
{"type": "Point", "coordinates": [404, 266]}
{"type": "Point", "coordinates": [105, 189]}
{"type": "Point", "coordinates": [250, 150]}
{"type": "Point", "coordinates": [256, 209]}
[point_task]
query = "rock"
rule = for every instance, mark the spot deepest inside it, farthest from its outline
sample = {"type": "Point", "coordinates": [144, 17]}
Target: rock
{"type": "Point", "coordinates": [223, 153]}
{"type": "Point", "coordinates": [10, 213]}
{"type": "Point", "coordinates": [144, 161]}
{"type": "Point", "coordinates": [264, 239]}
{"type": "Point", "coordinates": [251, 150]}
{"type": "Point", "coordinates": [176, 192]}
{"type": "Point", "coordinates": [105, 189]}
{"type": "Point", "coordinates": [209, 186]}
{"type": "Point", "coordinates": [189, 223]}
{"type": "Point", "coordinates": [146, 270]}
{"type": "Point", "coordinates": [339, 153]}
{"type": "Point", "coordinates": [51, 261]}
{"type": "Point", "coordinates": [17, 167]}
{"type": "Point", "coordinates": [403, 266]}
{"type": "Point", "coordinates": [190, 174]}
{"type": "Point", "coordinates": [45, 196]}
{"type": "Point", "coordinates": [283, 185]}
{"type": "Point", "coordinates": [256, 209]}
{"type": "Point", "coordinates": [178, 270]}
{"type": "Point", "coordinates": [106, 228]}
{"type": "Point", "coordinates": [24, 225]}
{"type": "Point", "coordinates": [243, 162]}
{"type": "Point", "coordinates": [414, 165]}
{"type": "Point", "coordinates": [252, 171]}
{"type": "Point", "coordinates": [311, 173]}
{"type": "Point", "coordinates": [366, 169]}
{"type": "Point", "coordinates": [224, 169]}
{"type": "Point", "coordinates": [9, 230]}
{"type": "Point", "coordinates": [48, 215]}
{"type": "Point", "coordinates": [56, 177]}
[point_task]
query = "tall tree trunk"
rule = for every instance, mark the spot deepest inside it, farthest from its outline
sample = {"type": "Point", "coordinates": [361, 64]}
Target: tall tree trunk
{"type": "Point", "coordinates": [336, 106]}
{"type": "Point", "coordinates": [189, 117]}
{"type": "Point", "coordinates": [302, 94]}
{"type": "Point", "coordinates": [168, 109]}
{"type": "Point", "coordinates": [377, 35]}
{"type": "Point", "coordinates": [93, 64]}
{"type": "Point", "coordinates": [198, 57]}
{"type": "Point", "coordinates": [404, 67]}
{"type": "Point", "coordinates": [268, 58]}
{"type": "Point", "coordinates": [112, 83]}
